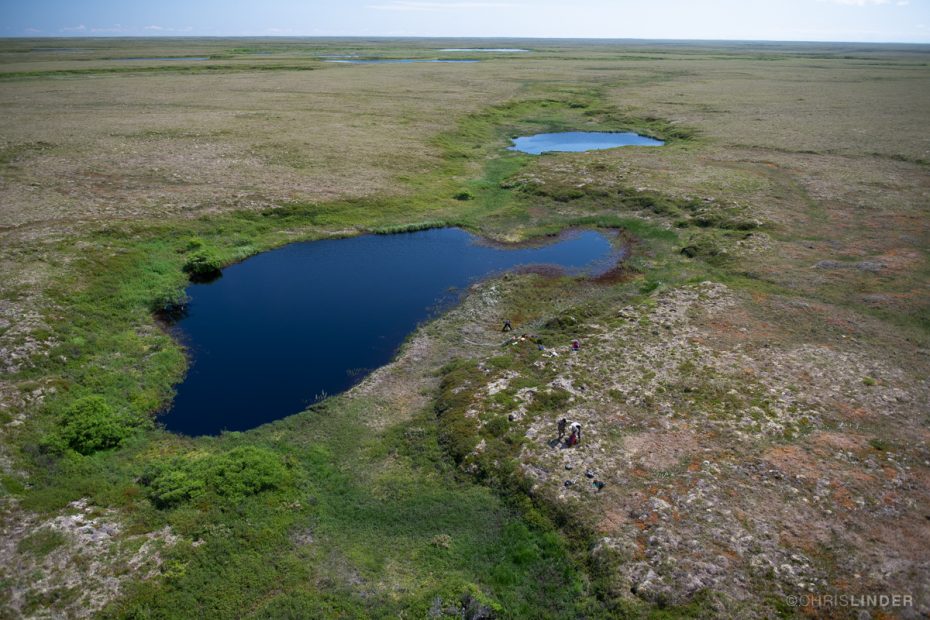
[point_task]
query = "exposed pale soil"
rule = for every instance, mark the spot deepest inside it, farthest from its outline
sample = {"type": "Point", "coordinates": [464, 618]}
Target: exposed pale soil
{"type": "Point", "coordinates": [94, 559]}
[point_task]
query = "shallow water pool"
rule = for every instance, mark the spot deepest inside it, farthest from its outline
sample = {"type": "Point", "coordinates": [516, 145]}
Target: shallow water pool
{"type": "Point", "coordinates": [287, 327]}
{"type": "Point", "coordinates": [579, 142]}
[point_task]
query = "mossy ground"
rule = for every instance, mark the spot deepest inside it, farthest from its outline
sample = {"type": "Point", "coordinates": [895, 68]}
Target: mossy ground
{"type": "Point", "coordinates": [374, 514]}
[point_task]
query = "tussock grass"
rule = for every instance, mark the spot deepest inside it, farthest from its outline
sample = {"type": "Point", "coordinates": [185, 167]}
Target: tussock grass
{"type": "Point", "coordinates": [377, 520]}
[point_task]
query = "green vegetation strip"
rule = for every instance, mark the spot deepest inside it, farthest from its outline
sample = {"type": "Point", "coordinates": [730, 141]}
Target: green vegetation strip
{"type": "Point", "coordinates": [322, 515]}
{"type": "Point", "coordinates": [197, 68]}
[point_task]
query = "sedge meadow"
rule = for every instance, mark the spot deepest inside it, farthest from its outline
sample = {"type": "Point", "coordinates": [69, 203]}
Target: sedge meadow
{"type": "Point", "coordinates": [752, 377]}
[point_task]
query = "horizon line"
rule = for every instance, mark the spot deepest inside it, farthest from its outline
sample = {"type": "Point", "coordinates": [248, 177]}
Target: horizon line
{"type": "Point", "coordinates": [457, 37]}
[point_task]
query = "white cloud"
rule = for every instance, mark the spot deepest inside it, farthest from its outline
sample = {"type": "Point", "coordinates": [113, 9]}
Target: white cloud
{"type": "Point", "coordinates": [404, 5]}
{"type": "Point", "coordinates": [861, 2]}
{"type": "Point", "coordinates": [79, 28]}
{"type": "Point", "coordinates": [157, 28]}
{"type": "Point", "coordinates": [111, 30]}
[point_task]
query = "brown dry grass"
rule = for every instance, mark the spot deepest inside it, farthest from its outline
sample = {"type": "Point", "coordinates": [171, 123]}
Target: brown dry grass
{"type": "Point", "coordinates": [829, 152]}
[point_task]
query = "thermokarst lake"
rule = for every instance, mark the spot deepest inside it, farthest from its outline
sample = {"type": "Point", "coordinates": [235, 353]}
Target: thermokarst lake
{"type": "Point", "coordinates": [504, 50]}
{"type": "Point", "coordinates": [579, 142]}
{"type": "Point", "coordinates": [285, 328]}
{"type": "Point", "coordinates": [400, 61]}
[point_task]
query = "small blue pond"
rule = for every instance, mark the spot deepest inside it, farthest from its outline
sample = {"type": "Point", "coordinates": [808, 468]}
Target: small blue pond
{"type": "Point", "coordinates": [505, 50]}
{"type": "Point", "coordinates": [579, 141]}
{"type": "Point", "coordinates": [166, 58]}
{"type": "Point", "coordinates": [280, 330]}
{"type": "Point", "coordinates": [399, 61]}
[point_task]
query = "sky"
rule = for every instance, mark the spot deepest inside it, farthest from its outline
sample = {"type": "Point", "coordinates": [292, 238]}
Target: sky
{"type": "Point", "coordinates": [906, 21]}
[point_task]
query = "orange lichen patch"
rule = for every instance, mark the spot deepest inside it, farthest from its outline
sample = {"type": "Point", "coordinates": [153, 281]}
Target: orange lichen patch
{"type": "Point", "coordinates": [806, 545]}
{"type": "Point", "coordinates": [901, 259]}
{"type": "Point", "coordinates": [726, 328]}
{"type": "Point", "coordinates": [840, 441]}
{"type": "Point", "coordinates": [727, 552]}
{"type": "Point", "coordinates": [848, 411]}
{"type": "Point", "coordinates": [620, 273]}
{"type": "Point", "coordinates": [660, 450]}
{"type": "Point", "coordinates": [842, 323]}
{"type": "Point", "coordinates": [737, 325]}
{"type": "Point", "coordinates": [908, 537]}
{"type": "Point", "coordinates": [842, 584]}
{"type": "Point", "coordinates": [639, 472]}
{"type": "Point", "coordinates": [861, 477]}
{"type": "Point", "coordinates": [793, 460]}
{"type": "Point", "coordinates": [842, 497]}
{"type": "Point", "coordinates": [612, 521]}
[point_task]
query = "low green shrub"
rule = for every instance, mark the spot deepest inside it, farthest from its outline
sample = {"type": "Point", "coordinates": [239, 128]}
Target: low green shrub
{"type": "Point", "coordinates": [194, 243]}
{"type": "Point", "coordinates": [170, 303]}
{"type": "Point", "coordinates": [90, 425]}
{"type": "Point", "coordinates": [233, 475]}
{"type": "Point", "coordinates": [202, 264]}
{"type": "Point", "coordinates": [42, 542]}
{"type": "Point", "coordinates": [705, 247]}
{"type": "Point", "coordinates": [458, 433]}
{"type": "Point", "coordinates": [497, 426]}
{"type": "Point", "coordinates": [550, 400]}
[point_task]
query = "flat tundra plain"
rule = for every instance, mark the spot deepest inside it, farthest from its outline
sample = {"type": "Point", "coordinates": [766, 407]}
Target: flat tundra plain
{"type": "Point", "coordinates": [752, 382]}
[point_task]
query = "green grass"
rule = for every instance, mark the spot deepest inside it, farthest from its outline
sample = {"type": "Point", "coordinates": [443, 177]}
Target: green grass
{"type": "Point", "coordinates": [41, 542]}
{"type": "Point", "coordinates": [192, 69]}
{"type": "Point", "coordinates": [324, 514]}
{"type": "Point", "coordinates": [372, 502]}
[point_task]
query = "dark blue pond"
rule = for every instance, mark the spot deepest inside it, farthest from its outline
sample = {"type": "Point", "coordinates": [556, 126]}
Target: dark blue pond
{"type": "Point", "coordinates": [579, 141]}
{"type": "Point", "coordinates": [280, 330]}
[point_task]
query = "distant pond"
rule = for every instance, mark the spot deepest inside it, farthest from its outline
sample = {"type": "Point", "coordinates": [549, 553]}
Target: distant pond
{"type": "Point", "coordinates": [285, 328]}
{"type": "Point", "coordinates": [398, 61]}
{"type": "Point", "coordinates": [579, 142]}
{"type": "Point", "coordinates": [179, 58]}
{"type": "Point", "coordinates": [505, 50]}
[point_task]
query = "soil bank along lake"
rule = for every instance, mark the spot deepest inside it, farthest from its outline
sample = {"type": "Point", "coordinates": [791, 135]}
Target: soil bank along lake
{"type": "Point", "coordinates": [282, 329]}
{"type": "Point", "coordinates": [579, 142]}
